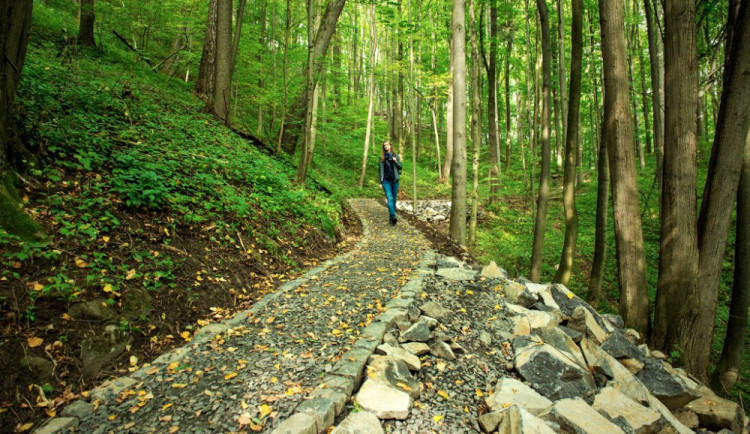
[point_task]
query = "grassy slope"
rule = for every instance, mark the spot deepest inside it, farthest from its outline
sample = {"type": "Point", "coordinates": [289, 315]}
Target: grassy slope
{"type": "Point", "coordinates": [140, 194]}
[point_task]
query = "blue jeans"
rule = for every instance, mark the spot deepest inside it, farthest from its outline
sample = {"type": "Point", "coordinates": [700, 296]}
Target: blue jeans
{"type": "Point", "coordinates": [391, 193]}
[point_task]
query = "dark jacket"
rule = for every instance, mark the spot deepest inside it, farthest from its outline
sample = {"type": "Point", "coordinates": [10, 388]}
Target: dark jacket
{"type": "Point", "coordinates": [397, 168]}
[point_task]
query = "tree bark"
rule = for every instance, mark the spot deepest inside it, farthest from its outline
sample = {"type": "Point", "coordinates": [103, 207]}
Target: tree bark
{"type": "Point", "coordinates": [207, 71]}
{"type": "Point", "coordinates": [220, 101]}
{"type": "Point", "coordinates": [537, 251]}
{"type": "Point", "coordinates": [718, 194]}
{"type": "Point", "coordinates": [728, 369]}
{"type": "Point", "coordinates": [476, 124]}
{"type": "Point", "coordinates": [86, 26]}
{"type": "Point", "coordinates": [678, 253]}
{"type": "Point", "coordinates": [634, 303]}
{"type": "Point", "coordinates": [561, 66]}
{"type": "Point", "coordinates": [373, 49]}
{"type": "Point", "coordinates": [449, 115]}
{"type": "Point", "coordinates": [412, 113]}
{"type": "Point", "coordinates": [458, 55]}
{"type": "Point", "coordinates": [507, 95]}
{"type": "Point", "coordinates": [492, 104]}
{"type": "Point", "coordinates": [571, 146]}
{"type": "Point", "coordinates": [657, 82]}
{"type": "Point", "coordinates": [318, 51]}
{"type": "Point", "coordinates": [600, 238]}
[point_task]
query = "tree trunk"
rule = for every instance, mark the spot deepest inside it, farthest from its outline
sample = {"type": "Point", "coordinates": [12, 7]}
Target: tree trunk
{"type": "Point", "coordinates": [373, 49]}
{"type": "Point", "coordinates": [412, 110]}
{"type": "Point", "coordinates": [718, 194]}
{"type": "Point", "coordinates": [220, 101]}
{"type": "Point", "coordinates": [207, 72]}
{"type": "Point", "coordinates": [631, 262]}
{"type": "Point", "coordinates": [458, 56]}
{"type": "Point", "coordinates": [561, 66]}
{"type": "Point", "coordinates": [86, 26]}
{"type": "Point", "coordinates": [602, 212]}
{"type": "Point", "coordinates": [728, 369]}
{"type": "Point", "coordinates": [571, 146]}
{"type": "Point", "coordinates": [657, 82]}
{"type": "Point", "coordinates": [259, 59]}
{"type": "Point", "coordinates": [15, 24]}
{"type": "Point", "coordinates": [492, 104]}
{"type": "Point", "coordinates": [678, 253]}
{"type": "Point", "coordinates": [507, 96]}
{"type": "Point", "coordinates": [318, 52]}
{"type": "Point", "coordinates": [537, 252]}
{"type": "Point", "coordinates": [285, 73]}
{"type": "Point", "coordinates": [476, 124]}
{"type": "Point", "coordinates": [309, 134]}
{"type": "Point", "coordinates": [449, 115]}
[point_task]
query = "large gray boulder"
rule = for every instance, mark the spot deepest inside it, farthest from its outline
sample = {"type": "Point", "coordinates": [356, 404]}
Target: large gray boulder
{"type": "Point", "coordinates": [384, 401]}
{"type": "Point", "coordinates": [670, 390]}
{"type": "Point", "coordinates": [626, 413]}
{"type": "Point", "coordinates": [549, 371]}
{"type": "Point", "coordinates": [100, 350]}
{"type": "Point", "coordinates": [575, 416]}
{"type": "Point", "coordinates": [95, 310]}
{"type": "Point", "coordinates": [393, 372]}
{"type": "Point", "coordinates": [516, 420]}
{"type": "Point", "coordinates": [361, 422]}
{"type": "Point", "coordinates": [716, 413]}
{"type": "Point", "coordinates": [408, 358]}
{"type": "Point", "coordinates": [624, 381]}
{"type": "Point", "coordinates": [418, 332]}
{"type": "Point", "coordinates": [560, 340]}
{"type": "Point", "coordinates": [509, 391]}
{"type": "Point", "coordinates": [585, 322]}
{"type": "Point", "coordinates": [435, 310]}
{"type": "Point", "coordinates": [492, 271]}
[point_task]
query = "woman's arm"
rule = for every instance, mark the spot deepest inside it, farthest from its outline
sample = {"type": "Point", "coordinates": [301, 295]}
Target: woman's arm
{"type": "Point", "coordinates": [397, 160]}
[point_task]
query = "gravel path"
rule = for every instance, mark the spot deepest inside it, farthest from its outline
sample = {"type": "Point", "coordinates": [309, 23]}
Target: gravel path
{"type": "Point", "coordinates": [250, 378]}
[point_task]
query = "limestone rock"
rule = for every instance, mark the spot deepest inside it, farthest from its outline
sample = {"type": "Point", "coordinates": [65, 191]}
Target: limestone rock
{"type": "Point", "coordinates": [136, 303]}
{"type": "Point", "coordinates": [361, 422]}
{"type": "Point", "coordinates": [513, 290]}
{"type": "Point", "coordinates": [442, 350]}
{"type": "Point", "coordinates": [492, 271]}
{"type": "Point", "coordinates": [617, 407]}
{"type": "Point", "coordinates": [337, 398]}
{"type": "Point", "coordinates": [519, 421]}
{"type": "Point", "coordinates": [432, 323]}
{"type": "Point", "coordinates": [209, 331]}
{"type": "Point", "coordinates": [615, 321]}
{"type": "Point", "coordinates": [574, 334]}
{"type": "Point", "coordinates": [298, 423]}
{"type": "Point", "coordinates": [410, 359]}
{"type": "Point", "coordinates": [511, 391]}
{"type": "Point", "coordinates": [485, 338]}
{"type": "Point", "coordinates": [583, 321]}
{"type": "Point", "coordinates": [57, 425]}
{"type": "Point", "coordinates": [716, 413]}
{"type": "Point", "coordinates": [418, 332]}
{"type": "Point", "coordinates": [549, 371]}
{"type": "Point", "coordinates": [352, 364]}
{"type": "Point", "coordinates": [341, 384]}
{"type": "Point", "coordinates": [78, 409]}
{"type": "Point", "coordinates": [627, 383]}
{"type": "Point", "coordinates": [435, 310]}
{"type": "Point", "coordinates": [391, 316]}
{"type": "Point", "coordinates": [394, 373]}
{"type": "Point", "coordinates": [558, 339]}
{"type": "Point", "coordinates": [449, 262]}
{"type": "Point", "coordinates": [687, 417]}
{"type": "Point", "coordinates": [101, 350]}
{"type": "Point", "coordinates": [321, 410]}
{"type": "Point", "coordinates": [456, 274]}
{"type": "Point", "coordinates": [568, 302]}
{"type": "Point", "coordinates": [95, 310]}
{"type": "Point", "coordinates": [375, 331]}
{"type": "Point", "coordinates": [543, 292]}
{"type": "Point", "coordinates": [575, 416]}
{"type": "Point", "coordinates": [416, 348]}
{"type": "Point", "coordinates": [620, 347]}
{"type": "Point", "coordinates": [536, 318]}
{"type": "Point", "coordinates": [384, 401]}
{"type": "Point", "coordinates": [670, 390]}
{"type": "Point", "coordinates": [490, 421]}
{"type": "Point", "coordinates": [40, 367]}
{"type": "Point", "coordinates": [389, 339]}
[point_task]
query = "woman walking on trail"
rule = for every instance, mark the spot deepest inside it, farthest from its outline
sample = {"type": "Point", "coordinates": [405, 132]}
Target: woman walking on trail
{"type": "Point", "coordinates": [390, 166]}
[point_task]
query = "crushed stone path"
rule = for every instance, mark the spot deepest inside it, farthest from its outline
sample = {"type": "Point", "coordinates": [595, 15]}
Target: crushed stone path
{"type": "Point", "coordinates": [252, 376]}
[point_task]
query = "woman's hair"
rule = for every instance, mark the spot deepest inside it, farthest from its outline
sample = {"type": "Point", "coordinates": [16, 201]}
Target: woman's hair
{"type": "Point", "coordinates": [382, 155]}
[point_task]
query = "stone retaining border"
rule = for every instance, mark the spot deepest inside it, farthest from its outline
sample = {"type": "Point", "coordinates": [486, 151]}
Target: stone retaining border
{"type": "Point", "coordinates": [318, 411]}
{"type": "Point", "coordinates": [80, 408]}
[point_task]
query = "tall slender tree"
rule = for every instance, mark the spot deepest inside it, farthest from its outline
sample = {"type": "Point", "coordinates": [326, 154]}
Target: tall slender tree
{"type": "Point", "coordinates": [371, 105]}
{"type": "Point", "coordinates": [618, 135]}
{"type": "Point", "coordinates": [656, 56]}
{"type": "Point", "coordinates": [540, 225]}
{"type": "Point", "coordinates": [476, 123]}
{"type": "Point", "coordinates": [204, 85]}
{"type": "Point", "coordinates": [492, 115]}
{"type": "Point", "coordinates": [571, 147]}
{"type": "Point", "coordinates": [222, 92]}
{"type": "Point", "coordinates": [458, 56]}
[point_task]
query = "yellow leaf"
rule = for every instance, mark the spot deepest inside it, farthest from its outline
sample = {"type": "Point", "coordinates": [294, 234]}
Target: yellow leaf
{"type": "Point", "coordinates": [25, 427]}
{"type": "Point", "coordinates": [245, 419]}
{"type": "Point", "coordinates": [230, 375]}
{"type": "Point", "coordinates": [179, 385]}
{"type": "Point", "coordinates": [507, 404]}
{"type": "Point", "coordinates": [443, 394]}
{"type": "Point", "coordinates": [105, 239]}
{"type": "Point", "coordinates": [166, 406]}
{"type": "Point", "coordinates": [265, 410]}
{"type": "Point", "coordinates": [107, 288]}
{"type": "Point", "coordinates": [274, 379]}
{"type": "Point", "coordinates": [571, 295]}
{"type": "Point", "coordinates": [440, 365]}
{"type": "Point", "coordinates": [66, 317]}
{"type": "Point", "coordinates": [404, 386]}
{"type": "Point", "coordinates": [271, 319]}
{"type": "Point", "coordinates": [130, 274]}
{"type": "Point", "coordinates": [172, 366]}
{"type": "Point", "coordinates": [133, 360]}
{"type": "Point", "coordinates": [480, 393]}
{"type": "Point", "coordinates": [437, 418]}
{"type": "Point", "coordinates": [38, 286]}
{"type": "Point", "coordinates": [470, 292]}
{"type": "Point", "coordinates": [173, 429]}
{"type": "Point", "coordinates": [35, 341]}
{"type": "Point", "coordinates": [80, 263]}
{"type": "Point", "coordinates": [112, 417]}
{"type": "Point", "coordinates": [186, 336]}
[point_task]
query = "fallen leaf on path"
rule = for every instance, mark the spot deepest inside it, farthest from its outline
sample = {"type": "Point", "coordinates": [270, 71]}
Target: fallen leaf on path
{"type": "Point", "coordinates": [245, 419]}
{"type": "Point", "coordinates": [265, 410]}
{"type": "Point", "coordinates": [35, 341]}
{"type": "Point", "coordinates": [443, 394]}
{"type": "Point", "coordinates": [437, 418]}
{"type": "Point", "coordinates": [179, 385]}
{"type": "Point", "coordinates": [230, 375]}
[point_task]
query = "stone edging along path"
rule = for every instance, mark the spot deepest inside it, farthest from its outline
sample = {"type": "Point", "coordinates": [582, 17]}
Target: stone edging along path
{"type": "Point", "coordinates": [454, 349]}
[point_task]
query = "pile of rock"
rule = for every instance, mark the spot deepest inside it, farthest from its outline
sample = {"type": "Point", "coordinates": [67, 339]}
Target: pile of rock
{"type": "Point", "coordinates": [583, 372]}
{"type": "Point", "coordinates": [433, 211]}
